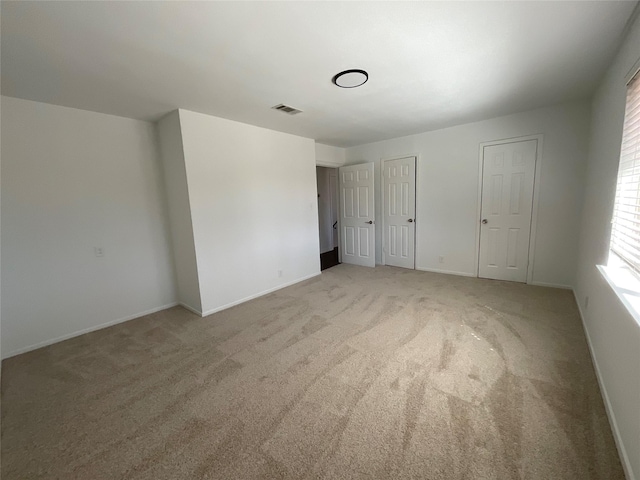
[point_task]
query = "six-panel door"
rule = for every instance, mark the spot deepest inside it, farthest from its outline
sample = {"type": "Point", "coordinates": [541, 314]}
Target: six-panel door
{"type": "Point", "coordinates": [508, 172]}
{"type": "Point", "coordinates": [357, 215]}
{"type": "Point", "coordinates": [399, 186]}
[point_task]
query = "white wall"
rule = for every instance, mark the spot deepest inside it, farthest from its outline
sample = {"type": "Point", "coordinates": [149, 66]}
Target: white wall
{"type": "Point", "coordinates": [73, 180]}
{"type": "Point", "coordinates": [179, 210]}
{"type": "Point", "coordinates": [329, 156]}
{"type": "Point", "coordinates": [613, 333]}
{"type": "Point", "coordinates": [254, 208]}
{"type": "Point", "coordinates": [447, 188]}
{"type": "Point", "coordinates": [0, 276]}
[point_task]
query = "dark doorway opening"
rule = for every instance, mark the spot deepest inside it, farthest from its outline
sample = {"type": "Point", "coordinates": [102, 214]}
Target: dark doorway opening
{"type": "Point", "coordinates": [327, 182]}
{"type": "Point", "coordinates": [329, 259]}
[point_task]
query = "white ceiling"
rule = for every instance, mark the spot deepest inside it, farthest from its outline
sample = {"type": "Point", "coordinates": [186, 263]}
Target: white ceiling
{"type": "Point", "coordinates": [430, 64]}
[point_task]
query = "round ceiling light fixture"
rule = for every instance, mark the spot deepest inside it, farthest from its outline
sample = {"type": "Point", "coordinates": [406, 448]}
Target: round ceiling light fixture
{"type": "Point", "coordinates": [350, 78]}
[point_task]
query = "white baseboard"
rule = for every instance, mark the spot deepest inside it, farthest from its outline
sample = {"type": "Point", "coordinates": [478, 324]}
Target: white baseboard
{"type": "Point", "coordinates": [446, 272]}
{"type": "Point", "coordinates": [467, 274]}
{"type": "Point", "coordinates": [191, 309]}
{"type": "Point", "coordinates": [67, 336]}
{"type": "Point", "coordinates": [251, 297]}
{"type": "Point", "coordinates": [552, 285]}
{"type": "Point", "coordinates": [626, 463]}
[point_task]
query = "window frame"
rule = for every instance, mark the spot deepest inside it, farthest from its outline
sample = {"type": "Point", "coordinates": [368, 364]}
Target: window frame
{"type": "Point", "coordinates": [624, 242]}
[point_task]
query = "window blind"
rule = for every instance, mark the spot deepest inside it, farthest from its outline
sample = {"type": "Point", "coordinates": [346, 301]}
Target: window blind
{"type": "Point", "coordinates": [625, 232]}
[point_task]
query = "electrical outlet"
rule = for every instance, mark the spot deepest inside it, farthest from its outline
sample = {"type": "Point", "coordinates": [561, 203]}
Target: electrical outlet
{"type": "Point", "coordinates": [441, 259]}
{"type": "Point", "coordinates": [98, 251]}
{"type": "Point", "coordinates": [586, 302]}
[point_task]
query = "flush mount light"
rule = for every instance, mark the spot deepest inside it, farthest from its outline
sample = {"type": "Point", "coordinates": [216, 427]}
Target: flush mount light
{"type": "Point", "coordinates": [350, 78]}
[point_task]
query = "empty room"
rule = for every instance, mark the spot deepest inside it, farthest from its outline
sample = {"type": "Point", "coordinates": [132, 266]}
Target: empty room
{"type": "Point", "coordinates": [320, 240]}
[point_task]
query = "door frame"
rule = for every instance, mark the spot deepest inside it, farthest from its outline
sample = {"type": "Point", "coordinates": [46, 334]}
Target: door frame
{"type": "Point", "coordinates": [336, 167]}
{"type": "Point", "coordinates": [536, 196]}
{"type": "Point", "coordinates": [383, 243]}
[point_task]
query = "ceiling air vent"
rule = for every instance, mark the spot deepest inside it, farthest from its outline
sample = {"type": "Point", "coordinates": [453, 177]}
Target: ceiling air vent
{"type": "Point", "coordinates": [287, 109]}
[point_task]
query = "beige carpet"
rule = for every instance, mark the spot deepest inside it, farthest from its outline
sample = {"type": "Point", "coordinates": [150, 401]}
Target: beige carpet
{"type": "Point", "coordinates": [358, 373]}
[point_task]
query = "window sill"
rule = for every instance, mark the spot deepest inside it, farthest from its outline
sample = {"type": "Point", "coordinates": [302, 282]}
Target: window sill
{"type": "Point", "coordinates": [626, 286]}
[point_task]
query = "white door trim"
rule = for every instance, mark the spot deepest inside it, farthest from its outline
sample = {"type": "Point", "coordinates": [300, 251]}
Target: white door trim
{"type": "Point", "coordinates": [383, 244]}
{"type": "Point", "coordinates": [327, 164]}
{"type": "Point", "coordinates": [335, 198]}
{"type": "Point", "coordinates": [536, 190]}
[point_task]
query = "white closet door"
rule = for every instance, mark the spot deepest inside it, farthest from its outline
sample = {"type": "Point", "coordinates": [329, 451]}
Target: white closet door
{"type": "Point", "coordinates": [399, 187]}
{"type": "Point", "coordinates": [357, 216]}
{"type": "Point", "coordinates": [508, 172]}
